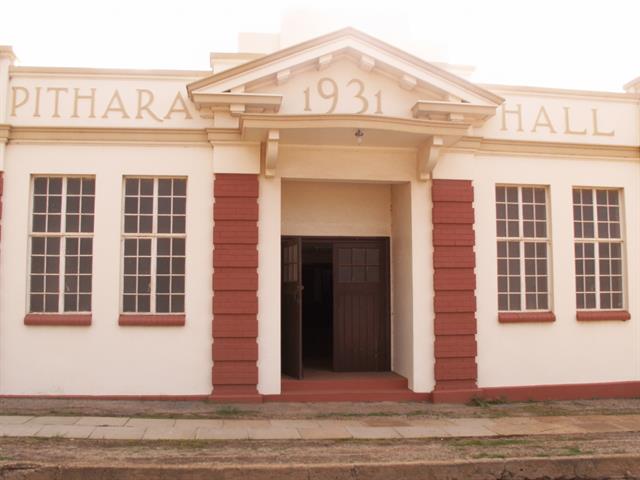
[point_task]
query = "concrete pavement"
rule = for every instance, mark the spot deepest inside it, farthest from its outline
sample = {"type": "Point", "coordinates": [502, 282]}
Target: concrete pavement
{"type": "Point", "coordinates": [128, 428]}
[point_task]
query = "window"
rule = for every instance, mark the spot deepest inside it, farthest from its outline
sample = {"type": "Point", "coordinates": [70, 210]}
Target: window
{"type": "Point", "coordinates": [523, 248]}
{"type": "Point", "coordinates": [598, 249]}
{"type": "Point", "coordinates": [61, 242]}
{"type": "Point", "coordinates": [358, 265]}
{"type": "Point", "coordinates": [154, 245]}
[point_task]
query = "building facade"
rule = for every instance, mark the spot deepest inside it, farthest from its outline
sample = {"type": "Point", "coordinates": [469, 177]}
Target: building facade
{"type": "Point", "coordinates": [338, 205]}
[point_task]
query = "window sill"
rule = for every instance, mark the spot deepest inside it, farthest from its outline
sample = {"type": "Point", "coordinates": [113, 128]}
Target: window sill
{"type": "Point", "coordinates": [603, 315]}
{"type": "Point", "coordinates": [58, 319]}
{"type": "Point", "coordinates": [526, 317]}
{"type": "Point", "coordinates": [151, 320]}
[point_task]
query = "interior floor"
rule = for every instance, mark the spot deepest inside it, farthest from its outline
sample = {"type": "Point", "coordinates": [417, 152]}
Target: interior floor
{"type": "Point", "coordinates": [317, 306]}
{"type": "Point", "coordinates": [326, 374]}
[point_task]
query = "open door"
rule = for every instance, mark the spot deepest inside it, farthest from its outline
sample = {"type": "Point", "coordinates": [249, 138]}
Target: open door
{"type": "Point", "coordinates": [361, 317]}
{"type": "Point", "coordinates": [292, 307]}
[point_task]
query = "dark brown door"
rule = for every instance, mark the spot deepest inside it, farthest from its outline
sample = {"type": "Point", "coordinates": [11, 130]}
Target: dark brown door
{"type": "Point", "coordinates": [292, 307]}
{"type": "Point", "coordinates": [361, 305]}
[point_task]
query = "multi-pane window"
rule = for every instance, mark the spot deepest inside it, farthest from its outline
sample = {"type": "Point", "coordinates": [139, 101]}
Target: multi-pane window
{"type": "Point", "coordinates": [61, 242]}
{"type": "Point", "coordinates": [598, 248]}
{"type": "Point", "coordinates": [523, 248]}
{"type": "Point", "coordinates": [358, 265]}
{"type": "Point", "coordinates": [154, 245]}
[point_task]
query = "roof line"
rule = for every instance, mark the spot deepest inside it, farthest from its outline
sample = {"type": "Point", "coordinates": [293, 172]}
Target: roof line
{"type": "Point", "coordinates": [348, 31]}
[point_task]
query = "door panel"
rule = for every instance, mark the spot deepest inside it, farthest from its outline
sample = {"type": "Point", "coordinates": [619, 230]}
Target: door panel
{"type": "Point", "coordinates": [292, 307]}
{"type": "Point", "coordinates": [361, 305]}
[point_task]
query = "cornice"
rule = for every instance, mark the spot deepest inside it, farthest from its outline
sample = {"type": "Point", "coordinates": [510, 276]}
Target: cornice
{"type": "Point", "coordinates": [378, 122]}
{"type": "Point", "coordinates": [106, 72]}
{"type": "Point", "coordinates": [106, 135]}
{"type": "Point", "coordinates": [562, 92]}
{"type": "Point", "coordinates": [519, 147]}
{"type": "Point", "coordinates": [4, 133]}
{"type": "Point", "coordinates": [635, 83]}
{"type": "Point", "coordinates": [6, 51]}
{"type": "Point", "coordinates": [204, 137]}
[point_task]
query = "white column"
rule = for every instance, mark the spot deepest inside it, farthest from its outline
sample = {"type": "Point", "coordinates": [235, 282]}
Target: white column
{"type": "Point", "coordinates": [422, 284]}
{"type": "Point", "coordinates": [269, 286]}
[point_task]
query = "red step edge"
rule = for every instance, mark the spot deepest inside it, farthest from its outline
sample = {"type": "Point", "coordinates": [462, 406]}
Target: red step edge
{"type": "Point", "coordinates": [350, 396]}
{"type": "Point", "coordinates": [343, 385]}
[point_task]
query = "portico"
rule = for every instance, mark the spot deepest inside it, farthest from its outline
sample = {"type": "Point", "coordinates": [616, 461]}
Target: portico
{"type": "Point", "coordinates": [333, 128]}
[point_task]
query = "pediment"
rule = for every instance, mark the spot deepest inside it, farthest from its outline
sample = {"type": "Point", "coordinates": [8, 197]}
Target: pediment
{"type": "Point", "coordinates": [345, 72]}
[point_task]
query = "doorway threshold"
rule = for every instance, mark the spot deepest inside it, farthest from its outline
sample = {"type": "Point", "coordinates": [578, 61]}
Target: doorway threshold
{"type": "Point", "coordinates": [329, 386]}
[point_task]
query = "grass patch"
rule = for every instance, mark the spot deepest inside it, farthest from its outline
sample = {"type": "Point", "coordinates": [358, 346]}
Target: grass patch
{"type": "Point", "coordinates": [488, 455]}
{"type": "Point", "coordinates": [490, 442]}
{"type": "Point", "coordinates": [357, 414]}
{"type": "Point", "coordinates": [412, 413]}
{"type": "Point", "coordinates": [486, 402]}
{"type": "Point", "coordinates": [232, 411]}
{"type": "Point", "coordinates": [573, 452]}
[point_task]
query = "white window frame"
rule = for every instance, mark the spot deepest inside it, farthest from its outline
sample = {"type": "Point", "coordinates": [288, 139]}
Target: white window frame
{"type": "Point", "coordinates": [521, 239]}
{"type": "Point", "coordinates": [154, 235]}
{"type": "Point", "coordinates": [63, 235]}
{"type": "Point", "coordinates": [596, 240]}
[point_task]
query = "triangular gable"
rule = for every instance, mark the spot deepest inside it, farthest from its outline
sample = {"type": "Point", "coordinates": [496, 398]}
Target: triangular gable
{"type": "Point", "coordinates": [370, 53]}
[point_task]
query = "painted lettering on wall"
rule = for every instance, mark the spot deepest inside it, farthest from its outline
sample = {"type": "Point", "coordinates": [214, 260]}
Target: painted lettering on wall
{"type": "Point", "coordinates": [84, 103]}
{"type": "Point", "coordinates": [552, 120]}
{"type": "Point", "coordinates": [328, 90]}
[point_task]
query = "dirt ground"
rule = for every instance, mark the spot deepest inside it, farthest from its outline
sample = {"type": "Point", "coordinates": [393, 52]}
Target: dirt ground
{"type": "Point", "coordinates": [204, 409]}
{"type": "Point", "coordinates": [201, 453]}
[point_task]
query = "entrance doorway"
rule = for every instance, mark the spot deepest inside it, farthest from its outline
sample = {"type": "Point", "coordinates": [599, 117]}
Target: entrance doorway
{"type": "Point", "coordinates": [335, 305]}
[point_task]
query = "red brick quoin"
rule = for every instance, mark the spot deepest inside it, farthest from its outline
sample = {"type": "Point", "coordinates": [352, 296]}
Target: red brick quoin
{"type": "Point", "coordinates": [235, 288]}
{"type": "Point", "coordinates": [454, 286]}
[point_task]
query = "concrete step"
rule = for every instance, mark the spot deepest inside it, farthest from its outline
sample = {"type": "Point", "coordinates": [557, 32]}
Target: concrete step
{"type": "Point", "coordinates": [353, 384]}
{"type": "Point", "coordinates": [349, 395]}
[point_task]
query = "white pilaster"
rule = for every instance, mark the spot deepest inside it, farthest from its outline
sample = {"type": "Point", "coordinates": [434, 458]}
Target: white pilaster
{"type": "Point", "coordinates": [7, 58]}
{"type": "Point", "coordinates": [269, 286]}
{"type": "Point", "coordinates": [422, 283]}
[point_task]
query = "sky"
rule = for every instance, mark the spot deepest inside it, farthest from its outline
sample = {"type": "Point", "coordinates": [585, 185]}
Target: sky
{"type": "Point", "coordinates": [587, 44]}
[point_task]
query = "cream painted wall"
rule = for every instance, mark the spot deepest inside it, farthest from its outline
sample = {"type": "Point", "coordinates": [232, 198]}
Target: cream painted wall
{"type": "Point", "coordinates": [315, 162]}
{"type": "Point", "coordinates": [105, 359]}
{"type": "Point", "coordinates": [336, 209]}
{"type": "Point", "coordinates": [566, 351]}
{"type": "Point", "coordinates": [560, 116]}
{"type": "Point", "coordinates": [137, 99]}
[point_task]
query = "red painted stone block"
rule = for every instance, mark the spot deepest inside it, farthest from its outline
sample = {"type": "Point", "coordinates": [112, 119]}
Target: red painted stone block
{"type": "Point", "coordinates": [235, 349]}
{"type": "Point", "coordinates": [454, 323]}
{"type": "Point", "coordinates": [446, 301]}
{"type": "Point", "coordinates": [456, 346]}
{"type": "Point", "coordinates": [235, 373]}
{"type": "Point", "coordinates": [235, 185]}
{"type": "Point", "coordinates": [235, 279]}
{"type": "Point", "coordinates": [456, 369]}
{"type": "Point", "coordinates": [235, 208]}
{"type": "Point", "coordinates": [235, 302]}
{"type": "Point", "coordinates": [453, 212]}
{"type": "Point", "coordinates": [234, 325]}
{"type": "Point", "coordinates": [232, 232]}
{"type": "Point", "coordinates": [235, 256]}
{"type": "Point", "coordinates": [453, 235]}
{"type": "Point", "coordinates": [454, 279]}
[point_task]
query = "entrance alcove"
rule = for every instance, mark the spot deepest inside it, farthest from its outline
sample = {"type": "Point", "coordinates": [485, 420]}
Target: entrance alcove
{"type": "Point", "coordinates": [346, 283]}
